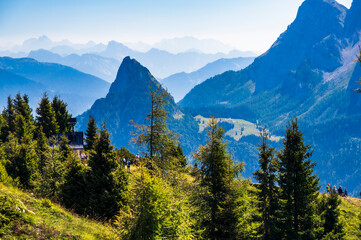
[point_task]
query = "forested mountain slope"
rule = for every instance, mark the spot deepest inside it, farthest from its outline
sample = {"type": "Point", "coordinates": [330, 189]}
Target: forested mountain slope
{"type": "Point", "coordinates": [309, 73]}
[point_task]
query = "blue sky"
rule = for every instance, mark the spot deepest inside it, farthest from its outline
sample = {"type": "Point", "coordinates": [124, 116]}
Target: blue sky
{"type": "Point", "coordinates": [245, 24]}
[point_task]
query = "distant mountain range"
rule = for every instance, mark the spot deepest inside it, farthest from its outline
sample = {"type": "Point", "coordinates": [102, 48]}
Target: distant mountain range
{"type": "Point", "coordinates": [180, 84]}
{"type": "Point", "coordinates": [172, 45]}
{"type": "Point", "coordinates": [104, 64]}
{"type": "Point", "coordinates": [309, 73]}
{"type": "Point", "coordinates": [104, 68]}
{"type": "Point", "coordinates": [28, 76]}
{"type": "Point", "coordinates": [162, 63]}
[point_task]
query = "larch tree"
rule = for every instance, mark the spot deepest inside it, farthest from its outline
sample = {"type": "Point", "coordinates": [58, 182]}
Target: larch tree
{"type": "Point", "coordinates": [219, 171]}
{"type": "Point", "coordinates": [155, 134]}
{"type": "Point", "coordinates": [267, 195]}
{"type": "Point", "coordinates": [298, 186]}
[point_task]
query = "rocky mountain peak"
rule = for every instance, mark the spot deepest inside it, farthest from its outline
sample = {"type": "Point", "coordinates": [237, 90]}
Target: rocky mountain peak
{"type": "Point", "coordinates": [131, 75]}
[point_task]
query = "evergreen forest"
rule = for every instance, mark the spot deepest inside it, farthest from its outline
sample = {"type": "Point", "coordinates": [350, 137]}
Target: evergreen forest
{"type": "Point", "coordinates": [156, 194]}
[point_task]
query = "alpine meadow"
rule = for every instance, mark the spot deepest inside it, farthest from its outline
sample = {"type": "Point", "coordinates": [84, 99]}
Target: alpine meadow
{"type": "Point", "coordinates": [145, 120]}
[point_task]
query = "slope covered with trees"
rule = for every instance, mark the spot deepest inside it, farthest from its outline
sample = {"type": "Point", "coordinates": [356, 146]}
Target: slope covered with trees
{"type": "Point", "coordinates": [309, 73]}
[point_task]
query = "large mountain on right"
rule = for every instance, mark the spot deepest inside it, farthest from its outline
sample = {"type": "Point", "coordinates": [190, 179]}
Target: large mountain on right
{"type": "Point", "coordinates": [310, 72]}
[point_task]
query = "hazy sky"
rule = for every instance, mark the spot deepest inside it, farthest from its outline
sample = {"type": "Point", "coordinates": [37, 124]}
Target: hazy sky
{"type": "Point", "coordinates": [245, 24]}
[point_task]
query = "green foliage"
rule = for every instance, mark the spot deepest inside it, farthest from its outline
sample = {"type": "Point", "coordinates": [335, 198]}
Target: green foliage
{"type": "Point", "coordinates": [107, 182]}
{"type": "Point", "coordinates": [21, 159]}
{"type": "Point", "coordinates": [91, 134]}
{"type": "Point", "coordinates": [53, 171]}
{"type": "Point", "coordinates": [219, 171]}
{"type": "Point", "coordinates": [4, 177]}
{"type": "Point", "coordinates": [267, 194]}
{"type": "Point", "coordinates": [8, 115]}
{"type": "Point", "coordinates": [298, 187]}
{"type": "Point", "coordinates": [176, 158]}
{"type": "Point", "coordinates": [42, 148]}
{"type": "Point", "coordinates": [332, 225]}
{"type": "Point", "coordinates": [155, 134]}
{"type": "Point", "coordinates": [46, 117]}
{"type": "Point", "coordinates": [21, 106]}
{"type": "Point", "coordinates": [124, 153]}
{"type": "Point", "coordinates": [74, 190]}
{"type": "Point", "coordinates": [156, 210]}
{"type": "Point", "coordinates": [61, 115]}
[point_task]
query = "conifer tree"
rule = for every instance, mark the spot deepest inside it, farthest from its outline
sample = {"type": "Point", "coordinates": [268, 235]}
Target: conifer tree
{"type": "Point", "coordinates": [107, 181]}
{"type": "Point", "coordinates": [74, 190]}
{"type": "Point", "coordinates": [42, 148]}
{"type": "Point", "coordinates": [155, 134]}
{"type": "Point", "coordinates": [219, 171]}
{"type": "Point", "coordinates": [333, 227]}
{"type": "Point", "coordinates": [21, 159]}
{"type": "Point", "coordinates": [64, 148]}
{"type": "Point", "coordinates": [267, 195]}
{"type": "Point", "coordinates": [21, 106]}
{"type": "Point", "coordinates": [61, 115]}
{"type": "Point", "coordinates": [91, 134]}
{"type": "Point", "coordinates": [53, 172]}
{"type": "Point", "coordinates": [298, 186]}
{"type": "Point", "coordinates": [9, 117]}
{"type": "Point", "coordinates": [46, 117]}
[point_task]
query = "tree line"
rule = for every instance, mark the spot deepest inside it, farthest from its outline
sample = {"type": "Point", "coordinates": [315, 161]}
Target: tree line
{"type": "Point", "coordinates": [163, 197]}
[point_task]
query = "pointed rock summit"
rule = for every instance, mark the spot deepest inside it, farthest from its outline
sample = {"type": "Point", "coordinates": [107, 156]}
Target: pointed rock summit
{"type": "Point", "coordinates": [131, 76]}
{"type": "Point", "coordinates": [127, 100]}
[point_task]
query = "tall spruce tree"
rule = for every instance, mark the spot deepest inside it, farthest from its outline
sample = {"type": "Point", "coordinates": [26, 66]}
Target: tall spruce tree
{"type": "Point", "coordinates": [61, 114]}
{"type": "Point", "coordinates": [219, 171]}
{"type": "Point", "coordinates": [22, 159]}
{"type": "Point", "coordinates": [107, 181]}
{"type": "Point", "coordinates": [21, 106]}
{"type": "Point", "coordinates": [267, 195]}
{"type": "Point", "coordinates": [91, 134]}
{"type": "Point", "coordinates": [298, 186]}
{"type": "Point", "coordinates": [46, 117]}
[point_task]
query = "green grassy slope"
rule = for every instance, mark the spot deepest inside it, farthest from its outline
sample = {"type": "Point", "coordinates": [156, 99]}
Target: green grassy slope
{"type": "Point", "coordinates": [351, 217]}
{"type": "Point", "coordinates": [22, 216]}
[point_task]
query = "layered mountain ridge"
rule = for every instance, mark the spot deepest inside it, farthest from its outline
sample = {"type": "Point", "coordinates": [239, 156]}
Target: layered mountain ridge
{"type": "Point", "coordinates": [31, 77]}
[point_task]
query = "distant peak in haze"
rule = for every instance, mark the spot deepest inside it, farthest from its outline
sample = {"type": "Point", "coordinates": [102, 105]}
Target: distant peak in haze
{"type": "Point", "coordinates": [191, 44]}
